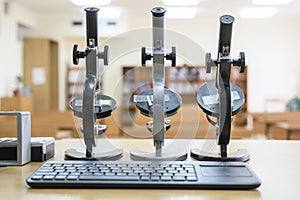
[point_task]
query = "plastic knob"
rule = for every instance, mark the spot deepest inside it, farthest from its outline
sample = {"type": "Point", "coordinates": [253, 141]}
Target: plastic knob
{"type": "Point", "coordinates": [172, 56]}
{"type": "Point", "coordinates": [208, 62]}
{"type": "Point", "coordinates": [77, 54]}
{"type": "Point", "coordinates": [242, 62]}
{"type": "Point", "coordinates": [75, 58]}
{"type": "Point", "coordinates": [145, 56]}
{"type": "Point", "coordinates": [104, 55]}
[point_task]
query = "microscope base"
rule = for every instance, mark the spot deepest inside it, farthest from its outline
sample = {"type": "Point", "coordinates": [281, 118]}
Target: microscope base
{"type": "Point", "coordinates": [73, 154]}
{"type": "Point", "coordinates": [136, 154]}
{"type": "Point", "coordinates": [241, 155]}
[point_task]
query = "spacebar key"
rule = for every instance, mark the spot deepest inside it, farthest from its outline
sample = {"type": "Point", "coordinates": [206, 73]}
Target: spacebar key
{"type": "Point", "coordinates": [110, 178]}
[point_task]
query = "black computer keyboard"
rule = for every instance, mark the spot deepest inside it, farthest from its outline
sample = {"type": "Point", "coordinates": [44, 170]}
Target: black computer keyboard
{"type": "Point", "coordinates": [144, 174]}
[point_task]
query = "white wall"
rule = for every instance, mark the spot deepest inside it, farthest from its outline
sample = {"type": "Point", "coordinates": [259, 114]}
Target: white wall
{"type": "Point", "coordinates": [271, 46]}
{"type": "Point", "coordinates": [11, 48]}
{"type": "Point", "coordinates": [272, 49]}
{"type": "Point", "coordinates": [274, 68]}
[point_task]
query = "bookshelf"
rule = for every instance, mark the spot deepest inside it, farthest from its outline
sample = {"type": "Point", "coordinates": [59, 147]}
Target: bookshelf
{"type": "Point", "coordinates": [185, 80]}
{"type": "Point", "coordinates": [75, 83]}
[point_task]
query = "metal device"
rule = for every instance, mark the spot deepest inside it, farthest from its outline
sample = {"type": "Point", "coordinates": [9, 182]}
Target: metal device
{"type": "Point", "coordinates": [42, 148]}
{"type": "Point", "coordinates": [17, 151]}
{"type": "Point", "coordinates": [158, 102]}
{"type": "Point", "coordinates": [93, 105]}
{"type": "Point", "coordinates": [222, 99]}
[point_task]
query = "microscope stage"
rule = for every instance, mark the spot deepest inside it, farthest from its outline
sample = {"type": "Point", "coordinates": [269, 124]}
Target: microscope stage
{"type": "Point", "coordinates": [207, 98]}
{"type": "Point", "coordinates": [172, 102]}
{"type": "Point", "coordinates": [104, 105]}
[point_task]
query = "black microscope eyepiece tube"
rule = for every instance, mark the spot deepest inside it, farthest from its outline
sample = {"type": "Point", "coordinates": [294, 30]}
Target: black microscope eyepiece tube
{"type": "Point", "coordinates": [91, 25]}
{"type": "Point", "coordinates": [226, 22]}
{"type": "Point", "coordinates": [158, 11]}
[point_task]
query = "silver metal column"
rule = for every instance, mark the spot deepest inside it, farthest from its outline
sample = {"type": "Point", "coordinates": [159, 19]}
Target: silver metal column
{"type": "Point", "coordinates": [158, 106]}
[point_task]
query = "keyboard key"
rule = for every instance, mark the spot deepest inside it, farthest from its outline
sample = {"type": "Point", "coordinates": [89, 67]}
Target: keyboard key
{"type": "Point", "coordinates": [155, 178]}
{"type": "Point", "coordinates": [37, 177]}
{"type": "Point", "coordinates": [179, 178]}
{"type": "Point", "coordinates": [121, 174]}
{"type": "Point", "coordinates": [173, 171]}
{"type": "Point", "coordinates": [74, 174]}
{"type": "Point", "coordinates": [48, 177]}
{"type": "Point", "coordinates": [145, 178]}
{"type": "Point", "coordinates": [110, 178]}
{"type": "Point", "coordinates": [98, 174]}
{"type": "Point", "coordinates": [191, 178]}
{"type": "Point", "coordinates": [110, 174]}
{"type": "Point", "coordinates": [72, 177]}
{"type": "Point", "coordinates": [166, 178]}
{"type": "Point", "coordinates": [60, 168]}
{"type": "Point", "coordinates": [59, 177]}
{"type": "Point", "coordinates": [49, 173]}
{"type": "Point", "coordinates": [46, 170]}
{"type": "Point", "coordinates": [87, 174]}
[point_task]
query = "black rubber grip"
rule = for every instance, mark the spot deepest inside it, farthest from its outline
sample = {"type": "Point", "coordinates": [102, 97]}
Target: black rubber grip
{"type": "Point", "coordinates": [92, 25]}
{"type": "Point", "coordinates": [158, 11]}
{"type": "Point", "coordinates": [226, 22]}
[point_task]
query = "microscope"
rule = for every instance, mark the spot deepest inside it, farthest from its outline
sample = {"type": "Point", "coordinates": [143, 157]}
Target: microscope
{"type": "Point", "coordinates": [158, 102]}
{"type": "Point", "coordinates": [92, 105]}
{"type": "Point", "coordinates": [220, 98]}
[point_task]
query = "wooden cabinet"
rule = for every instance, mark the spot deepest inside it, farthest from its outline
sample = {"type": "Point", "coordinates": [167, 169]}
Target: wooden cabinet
{"type": "Point", "coordinates": [18, 103]}
{"type": "Point", "coordinates": [41, 72]}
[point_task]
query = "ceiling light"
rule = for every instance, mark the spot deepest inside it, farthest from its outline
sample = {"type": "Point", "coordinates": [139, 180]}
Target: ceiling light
{"type": "Point", "coordinates": [180, 2]}
{"type": "Point", "coordinates": [258, 13]}
{"type": "Point", "coordinates": [271, 2]}
{"type": "Point", "coordinates": [181, 12]}
{"type": "Point", "coordinates": [110, 12]}
{"type": "Point", "coordinates": [91, 2]}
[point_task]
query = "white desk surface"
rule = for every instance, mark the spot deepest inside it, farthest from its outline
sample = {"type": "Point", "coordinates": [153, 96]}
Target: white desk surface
{"type": "Point", "coordinates": [277, 164]}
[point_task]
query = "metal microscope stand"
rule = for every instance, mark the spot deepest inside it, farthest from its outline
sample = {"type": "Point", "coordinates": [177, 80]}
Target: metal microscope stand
{"type": "Point", "coordinates": [92, 105]}
{"type": "Point", "coordinates": [156, 99]}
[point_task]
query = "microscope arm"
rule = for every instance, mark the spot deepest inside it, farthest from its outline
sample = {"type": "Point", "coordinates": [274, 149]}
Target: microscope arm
{"type": "Point", "coordinates": [89, 118]}
{"type": "Point", "coordinates": [158, 79]}
{"type": "Point", "coordinates": [223, 83]}
{"type": "Point", "coordinates": [225, 110]}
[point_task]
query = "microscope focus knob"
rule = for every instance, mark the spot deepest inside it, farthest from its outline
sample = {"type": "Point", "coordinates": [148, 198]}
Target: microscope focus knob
{"type": "Point", "coordinates": [240, 62]}
{"type": "Point", "coordinates": [77, 54]}
{"type": "Point", "coordinates": [104, 55]}
{"type": "Point", "coordinates": [172, 56]}
{"type": "Point", "coordinates": [208, 62]}
{"type": "Point", "coordinates": [145, 56]}
{"type": "Point", "coordinates": [242, 58]}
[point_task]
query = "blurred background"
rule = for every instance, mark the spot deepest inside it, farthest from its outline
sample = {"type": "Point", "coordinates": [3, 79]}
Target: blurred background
{"type": "Point", "coordinates": [37, 74]}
